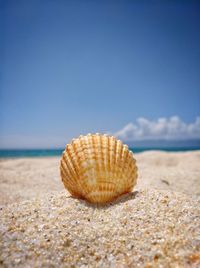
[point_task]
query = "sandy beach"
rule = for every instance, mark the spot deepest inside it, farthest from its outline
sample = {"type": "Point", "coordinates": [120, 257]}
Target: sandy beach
{"type": "Point", "coordinates": [155, 226]}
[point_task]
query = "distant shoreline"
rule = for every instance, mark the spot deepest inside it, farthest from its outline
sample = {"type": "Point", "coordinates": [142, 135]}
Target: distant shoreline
{"type": "Point", "coordinates": [17, 153]}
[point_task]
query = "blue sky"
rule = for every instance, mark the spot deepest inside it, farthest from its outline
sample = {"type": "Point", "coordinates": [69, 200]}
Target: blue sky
{"type": "Point", "coordinates": [72, 67]}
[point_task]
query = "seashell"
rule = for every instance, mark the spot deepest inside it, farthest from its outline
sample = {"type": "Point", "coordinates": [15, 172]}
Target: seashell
{"type": "Point", "coordinates": [98, 168]}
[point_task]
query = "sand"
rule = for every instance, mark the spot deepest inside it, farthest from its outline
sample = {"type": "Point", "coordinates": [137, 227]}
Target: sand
{"type": "Point", "coordinates": [25, 178]}
{"type": "Point", "coordinates": [158, 225]}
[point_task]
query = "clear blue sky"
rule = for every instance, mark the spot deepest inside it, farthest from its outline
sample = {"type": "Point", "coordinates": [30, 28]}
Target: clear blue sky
{"type": "Point", "coordinates": [72, 67]}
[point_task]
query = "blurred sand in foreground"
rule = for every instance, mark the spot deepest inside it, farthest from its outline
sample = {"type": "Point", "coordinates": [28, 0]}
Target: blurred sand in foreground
{"type": "Point", "coordinates": [157, 225]}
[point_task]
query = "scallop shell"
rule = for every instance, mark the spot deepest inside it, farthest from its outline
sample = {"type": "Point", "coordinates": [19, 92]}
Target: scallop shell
{"type": "Point", "coordinates": [98, 168]}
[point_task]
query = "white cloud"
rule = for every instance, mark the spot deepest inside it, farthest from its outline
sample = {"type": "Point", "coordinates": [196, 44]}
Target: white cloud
{"type": "Point", "coordinates": [172, 128]}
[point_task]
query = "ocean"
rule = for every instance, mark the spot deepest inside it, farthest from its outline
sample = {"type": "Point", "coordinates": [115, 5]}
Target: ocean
{"type": "Point", "coordinates": [57, 152]}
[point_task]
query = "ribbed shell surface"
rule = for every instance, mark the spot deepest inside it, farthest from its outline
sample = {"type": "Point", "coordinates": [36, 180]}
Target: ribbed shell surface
{"type": "Point", "coordinates": [98, 168]}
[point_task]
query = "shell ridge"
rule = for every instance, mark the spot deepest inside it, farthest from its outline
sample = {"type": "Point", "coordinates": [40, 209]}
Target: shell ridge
{"type": "Point", "coordinates": [112, 154]}
{"type": "Point", "coordinates": [118, 154]}
{"type": "Point", "coordinates": [84, 174]}
{"type": "Point", "coordinates": [120, 157]}
{"type": "Point", "coordinates": [102, 157]}
{"type": "Point", "coordinates": [71, 160]}
{"type": "Point", "coordinates": [105, 151]}
{"type": "Point", "coordinates": [97, 155]}
{"type": "Point", "coordinates": [77, 165]}
{"type": "Point", "coordinates": [68, 164]}
{"type": "Point", "coordinates": [126, 152]}
{"type": "Point", "coordinates": [93, 156]}
{"type": "Point", "coordinates": [129, 164]}
{"type": "Point", "coordinates": [91, 145]}
{"type": "Point", "coordinates": [68, 183]}
{"type": "Point", "coordinates": [87, 160]}
{"type": "Point", "coordinates": [132, 174]}
{"type": "Point", "coordinates": [108, 146]}
{"type": "Point", "coordinates": [123, 164]}
{"type": "Point", "coordinates": [73, 164]}
{"type": "Point", "coordinates": [64, 169]}
{"type": "Point", "coordinates": [114, 160]}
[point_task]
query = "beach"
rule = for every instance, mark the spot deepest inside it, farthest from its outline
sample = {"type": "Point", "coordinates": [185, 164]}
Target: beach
{"type": "Point", "coordinates": [157, 225]}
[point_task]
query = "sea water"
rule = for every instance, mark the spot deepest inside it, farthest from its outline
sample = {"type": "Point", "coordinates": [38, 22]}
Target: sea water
{"type": "Point", "coordinates": [57, 152]}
